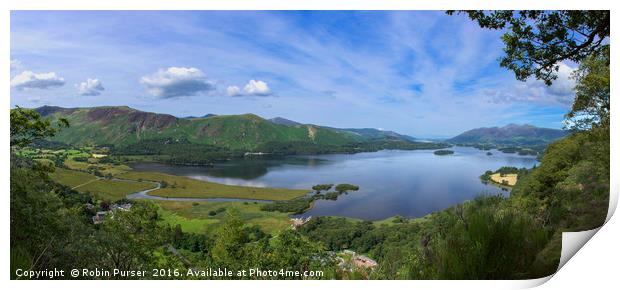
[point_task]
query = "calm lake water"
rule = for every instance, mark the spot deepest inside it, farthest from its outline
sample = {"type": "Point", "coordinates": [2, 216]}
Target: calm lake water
{"type": "Point", "coordinates": [392, 182]}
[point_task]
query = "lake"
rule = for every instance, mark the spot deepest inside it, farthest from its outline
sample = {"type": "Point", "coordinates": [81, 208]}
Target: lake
{"type": "Point", "coordinates": [392, 182]}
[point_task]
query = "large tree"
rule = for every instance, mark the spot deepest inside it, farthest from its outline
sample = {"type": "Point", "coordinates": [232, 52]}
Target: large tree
{"type": "Point", "coordinates": [537, 41]}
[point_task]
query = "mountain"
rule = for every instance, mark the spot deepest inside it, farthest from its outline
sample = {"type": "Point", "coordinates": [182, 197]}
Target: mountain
{"type": "Point", "coordinates": [122, 126]}
{"type": "Point", "coordinates": [283, 121]}
{"type": "Point", "coordinates": [512, 134]}
{"type": "Point", "coordinates": [364, 133]}
{"type": "Point", "coordinates": [371, 133]}
{"type": "Point", "coordinates": [204, 116]}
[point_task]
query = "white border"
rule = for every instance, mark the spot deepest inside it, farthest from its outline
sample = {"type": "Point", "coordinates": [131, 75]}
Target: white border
{"type": "Point", "coordinates": [595, 264]}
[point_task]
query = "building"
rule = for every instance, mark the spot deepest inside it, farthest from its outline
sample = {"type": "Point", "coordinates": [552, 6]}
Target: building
{"type": "Point", "coordinates": [298, 222]}
{"type": "Point", "coordinates": [123, 207]}
{"type": "Point", "coordinates": [349, 261]}
{"type": "Point", "coordinates": [99, 217]}
{"type": "Point", "coordinates": [362, 261]}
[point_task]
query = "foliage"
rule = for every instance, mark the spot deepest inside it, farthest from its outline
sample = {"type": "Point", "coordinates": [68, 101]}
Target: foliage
{"type": "Point", "coordinates": [129, 239]}
{"type": "Point", "coordinates": [592, 103]}
{"type": "Point", "coordinates": [321, 187]}
{"type": "Point", "coordinates": [28, 126]}
{"type": "Point", "coordinates": [236, 248]}
{"type": "Point", "coordinates": [344, 187]}
{"type": "Point", "coordinates": [176, 151]}
{"type": "Point", "coordinates": [536, 41]}
{"type": "Point", "coordinates": [295, 206]}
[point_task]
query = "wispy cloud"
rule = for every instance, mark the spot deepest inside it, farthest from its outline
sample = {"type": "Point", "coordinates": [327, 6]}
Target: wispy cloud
{"type": "Point", "coordinates": [16, 64]}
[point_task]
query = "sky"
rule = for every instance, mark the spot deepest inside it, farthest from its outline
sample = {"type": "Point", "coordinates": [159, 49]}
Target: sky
{"type": "Point", "coordinates": [421, 73]}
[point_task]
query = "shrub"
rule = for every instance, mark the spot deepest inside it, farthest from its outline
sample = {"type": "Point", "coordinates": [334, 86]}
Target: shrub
{"type": "Point", "coordinates": [344, 187]}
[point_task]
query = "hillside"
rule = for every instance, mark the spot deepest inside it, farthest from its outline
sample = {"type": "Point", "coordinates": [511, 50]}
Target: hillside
{"type": "Point", "coordinates": [124, 126]}
{"type": "Point", "coordinates": [511, 135]}
{"type": "Point", "coordinates": [363, 133]}
{"type": "Point", "coordinates": [373, 134]}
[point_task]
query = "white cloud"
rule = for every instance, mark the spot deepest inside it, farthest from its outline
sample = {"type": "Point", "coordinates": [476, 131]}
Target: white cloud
{"type": "Point", "coordinates": [561, 91]}
{"type": "Point", "coordinates": [233, 91]}
{"type": "Point", "coordinates": [177, 82]}
{"type": "Point", "coordinates": [31, 80]}
{"type": "Point", "coordinates": [252, 88]}
{"type": "Point", "coordinates": [257, 88]}
{"type": "Point", "coordinates": [16, 64]}
{"type": "Point", "coordinates": [91, 87]}
{"type": "Point", "coordinates": [565, 83]}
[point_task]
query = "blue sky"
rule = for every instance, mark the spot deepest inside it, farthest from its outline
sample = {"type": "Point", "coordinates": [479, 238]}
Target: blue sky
{"type": "Point", "coordinates": [421, 73]}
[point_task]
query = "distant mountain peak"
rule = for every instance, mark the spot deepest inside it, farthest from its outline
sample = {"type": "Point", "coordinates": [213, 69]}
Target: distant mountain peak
{"type": "Point", "coordinates": [514, 125]}
{"type": "Point", "coordinates": [511, 134]}
{"type": "Point", "coordinates": [203, 116]}
{"type": "Point", "coordinates": [283, 121]}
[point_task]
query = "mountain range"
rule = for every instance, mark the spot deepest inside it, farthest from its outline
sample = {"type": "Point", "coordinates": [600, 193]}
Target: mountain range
{"type": "Point", "coordinates": [122, 126]}
{"type": "Point", "coordinates": [511, 135]}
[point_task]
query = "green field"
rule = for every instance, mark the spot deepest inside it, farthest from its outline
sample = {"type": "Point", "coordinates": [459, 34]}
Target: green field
{"type": "Point", "coordinates": [104, 189]}
{"type": "Point", "coordinates": [113, 190]}
{"type": "Point", "coordinates": [71, 178]}
{"type": "Point", "coordinates": [194, 216]}
{"type": "Point", "coordinates": [101, 167]}
{"type": "Point", "coordinates": [179, 186]}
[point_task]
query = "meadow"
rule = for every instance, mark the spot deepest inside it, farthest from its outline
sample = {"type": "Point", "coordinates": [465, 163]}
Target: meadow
{"type": "Point", "coordinates": [504, 179]}
{"type": "Point", "coordinates": [178, 186]}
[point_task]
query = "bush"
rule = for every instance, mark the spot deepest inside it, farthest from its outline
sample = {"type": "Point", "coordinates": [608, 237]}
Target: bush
{"type": "Point", "coordinates": [344, 187]}
{"type": "Point", "coordinates": [332, 195]}
{"type": "Point", "coordinates": [295, 206]}
{"type": "Point", "coordinates": [80, 159]}
{"type": "Point", "coordinates": [321, 187]}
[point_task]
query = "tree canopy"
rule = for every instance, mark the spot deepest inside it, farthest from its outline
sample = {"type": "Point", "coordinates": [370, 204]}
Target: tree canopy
{"type": "Point", "coordinates": [28, 126]}
{"type": "Point", "coordinates": [592, 103]}
{"type": "Point", "coordinates": [537, 41]}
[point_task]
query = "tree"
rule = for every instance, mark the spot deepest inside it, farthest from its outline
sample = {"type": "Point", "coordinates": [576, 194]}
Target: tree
{"type": "Point", "coordinates": [293, 252]}
{"type": "Point", "coordinates": [537, 41]}
{"type": "Point", "coordinates": [321, 187]}
{"type": "Point", "coordinates": [128, 239]}
{"type": "Point", "coordinates": [27, 126]}
{"type": "Point", "coordinates": [344, 187]}
{"type": "Point", "coordinates": [592, 102]}
{"type": "Point", "coordinates": [228, 250]}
